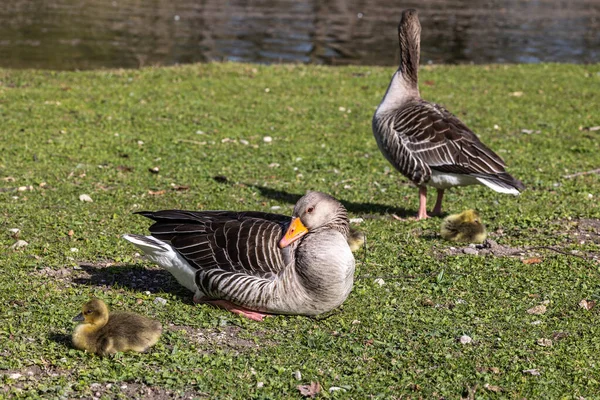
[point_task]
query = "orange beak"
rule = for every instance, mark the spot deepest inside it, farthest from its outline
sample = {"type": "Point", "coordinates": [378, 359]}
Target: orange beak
{"type": "Point", "coordinates": [294, 232]}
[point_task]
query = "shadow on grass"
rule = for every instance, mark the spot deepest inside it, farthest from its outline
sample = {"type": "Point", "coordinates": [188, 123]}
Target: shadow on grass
{"type": "Point", "coordinates": [61, 338]}
{"type": "Point", "coordinates": [352, 207]}
{"type": "Point", "coordinates": [132, 277]}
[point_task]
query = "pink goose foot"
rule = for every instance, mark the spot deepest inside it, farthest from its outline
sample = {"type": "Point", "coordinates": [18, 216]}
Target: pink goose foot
{"type": "Point", "coordinates": [229, 306]}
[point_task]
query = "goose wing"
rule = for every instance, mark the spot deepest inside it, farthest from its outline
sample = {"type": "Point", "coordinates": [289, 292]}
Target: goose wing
{"type": "Point", "coordinates": [240, 243]}
{"type": "Point", "coordinates": [426, 136]}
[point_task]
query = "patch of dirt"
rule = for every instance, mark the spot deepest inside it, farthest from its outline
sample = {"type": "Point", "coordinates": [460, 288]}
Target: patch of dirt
{"type": "Point", "coordinates": [585, 229]}
{"type": "Point", "coordinates": [226, 337]}
{"type": "Point", "coordinates": [26, 381]}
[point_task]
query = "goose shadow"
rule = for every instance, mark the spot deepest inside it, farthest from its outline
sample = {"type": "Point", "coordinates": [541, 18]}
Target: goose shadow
{"type": "Point", "coordinates": [130, 276]}
{"type": "Point", "coordinates": [61, 338]}
{"type": "Point", "coordinates": [352, 207]}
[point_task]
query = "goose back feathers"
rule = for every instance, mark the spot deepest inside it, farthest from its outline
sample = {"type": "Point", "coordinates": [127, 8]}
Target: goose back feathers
{"type": "Point", "coordinates": [424, 141]}
{"type": "Point", "coordinates": [235, 256]}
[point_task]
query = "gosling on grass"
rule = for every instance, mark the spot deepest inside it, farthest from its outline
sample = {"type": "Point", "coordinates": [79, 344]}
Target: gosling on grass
{"type": "Point", "coordinates": [106, 333]}
{"type": "Point", "coordinates": [463, 227]}
{"type": "Point", "coordinates": [355, 240]}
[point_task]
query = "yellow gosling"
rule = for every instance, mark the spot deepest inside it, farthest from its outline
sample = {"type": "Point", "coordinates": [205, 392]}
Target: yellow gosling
{"type": "Point", "coordinates": [107, 333]}
{"type": "Point", "coordinates": [356, 240]}
{"type": "Point", "coordinates": [463, 227]}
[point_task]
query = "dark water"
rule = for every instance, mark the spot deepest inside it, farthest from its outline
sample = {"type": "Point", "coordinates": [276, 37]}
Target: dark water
{"type": "Point", "coordinates": [86, 34]}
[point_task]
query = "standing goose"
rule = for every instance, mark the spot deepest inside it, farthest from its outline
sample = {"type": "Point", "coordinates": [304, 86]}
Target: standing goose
{"type": "Point", "coordinates": [252, 263]}
{"type": "Point", "coordinates": [424, 141]}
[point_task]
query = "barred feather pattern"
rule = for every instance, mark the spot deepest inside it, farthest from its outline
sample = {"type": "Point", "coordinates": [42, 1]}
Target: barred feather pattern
{"type": "Point", "coordinates": [421, 136]}
{"type": "Point", "coordinates": [237, 258]}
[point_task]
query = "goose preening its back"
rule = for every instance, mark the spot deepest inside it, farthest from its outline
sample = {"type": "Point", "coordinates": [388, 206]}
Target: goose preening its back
{"type": "Point", "coordinates": [424, 141]}
{"type": "Point", "coordinates": [252, 263]}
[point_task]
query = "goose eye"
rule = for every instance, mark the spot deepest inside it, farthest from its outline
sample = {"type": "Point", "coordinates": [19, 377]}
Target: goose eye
{"type": "Point", "coordinates": [310, 209]}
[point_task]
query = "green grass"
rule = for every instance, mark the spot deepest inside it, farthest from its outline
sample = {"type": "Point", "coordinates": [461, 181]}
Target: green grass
{"type": "Point", "coordinates": [71, 133]}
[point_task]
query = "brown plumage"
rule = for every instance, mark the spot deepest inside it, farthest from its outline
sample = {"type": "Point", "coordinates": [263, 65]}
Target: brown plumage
{"type": "Point", "coordinates": [106, 333]}
{"type": "Point", "coordinates": [424, 141]}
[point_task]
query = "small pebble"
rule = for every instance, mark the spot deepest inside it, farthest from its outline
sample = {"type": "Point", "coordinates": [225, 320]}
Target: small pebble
{"type": "Point", "coordinates": [160, 300]}
{"type": "Point", "coordinates": [244, 142]}
{"type": "Point", "coordinates": [85, 197]}
{"type": "Point", "coordinates": [123, 386]}
{"type": "Point", "coordinates": [267, 139]}
{"type": "Point", "coordinates": [19, 244]}
{"type": "Point", "coordinates": [544, 342]}
{"type": "Point", "coordinates": [464, 339]}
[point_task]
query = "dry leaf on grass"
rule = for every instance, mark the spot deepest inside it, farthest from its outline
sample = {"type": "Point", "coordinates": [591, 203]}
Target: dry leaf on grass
{"type": "Point", "coordinates": [532, 371]}
{"type": "Point", "coordinates": [492, 388]}
{"type": "Point", "coordinates": [310, 390]}
{"type": "Point", "coordinates": [156, 192]}
{"type": "Point", "coordinates": [587, 304]}
{"type": "Point", "coordinates": [534, 260]}
{"type": "Point", "coordinates": [537, 310]}
{"type": "Point", "coordinates": [179, 187]}
{"type": "Point", "coordinates": [154, 170]}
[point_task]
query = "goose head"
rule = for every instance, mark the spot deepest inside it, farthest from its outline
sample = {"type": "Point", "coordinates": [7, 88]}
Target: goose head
{"type": "Point", "coordinates": [94, 312]}
{"type": "Point", "coordinates": [315, 211]}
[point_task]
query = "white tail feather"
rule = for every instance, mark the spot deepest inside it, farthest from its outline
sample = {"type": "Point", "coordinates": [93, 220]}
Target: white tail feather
{"type": "Point", "coordinates": [498, 188]}
{"type": "Point", "coordinates": [167, 257]}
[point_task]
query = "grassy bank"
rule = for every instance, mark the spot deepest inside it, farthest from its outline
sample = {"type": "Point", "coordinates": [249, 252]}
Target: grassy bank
{"type": "Point", "coordinates": [100, 133]}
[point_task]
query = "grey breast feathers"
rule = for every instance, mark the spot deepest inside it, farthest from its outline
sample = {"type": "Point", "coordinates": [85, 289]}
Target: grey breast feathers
{"type": "Point", "coordinates": [424, 136]}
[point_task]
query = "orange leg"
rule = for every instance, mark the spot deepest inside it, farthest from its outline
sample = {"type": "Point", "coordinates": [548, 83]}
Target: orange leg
{"type": "Point", "coordinates": [229, 306]}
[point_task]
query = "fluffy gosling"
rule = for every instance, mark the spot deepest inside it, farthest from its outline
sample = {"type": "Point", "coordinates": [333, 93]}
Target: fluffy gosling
{"type": "Point", "coordinates": [463, 227]}
{"type": "Point", "coordinates": [107, 333]}
{"type": "Point", "coordinates": [355, 240]}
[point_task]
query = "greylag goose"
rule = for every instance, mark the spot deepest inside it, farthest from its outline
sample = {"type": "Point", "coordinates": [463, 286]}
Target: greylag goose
{"type": "Point", "coordinates": [424, 141]}
{"type": "Point", "coordinates": [254, 263]}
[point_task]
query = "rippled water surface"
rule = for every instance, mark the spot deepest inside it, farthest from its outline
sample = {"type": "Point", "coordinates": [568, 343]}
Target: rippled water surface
{"type": "Point", "coordinates": [85, 34]}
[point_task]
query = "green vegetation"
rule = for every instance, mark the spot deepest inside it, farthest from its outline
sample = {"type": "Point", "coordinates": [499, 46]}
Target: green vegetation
{"type": "Point", "coordinates": [98, 133]}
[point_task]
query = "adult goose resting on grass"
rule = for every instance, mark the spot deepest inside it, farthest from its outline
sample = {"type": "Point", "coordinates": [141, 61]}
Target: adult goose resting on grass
{"type": "Point", "coordinates": [252, 263]}
{"type": "Point", "coordinates": [424, 141]}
